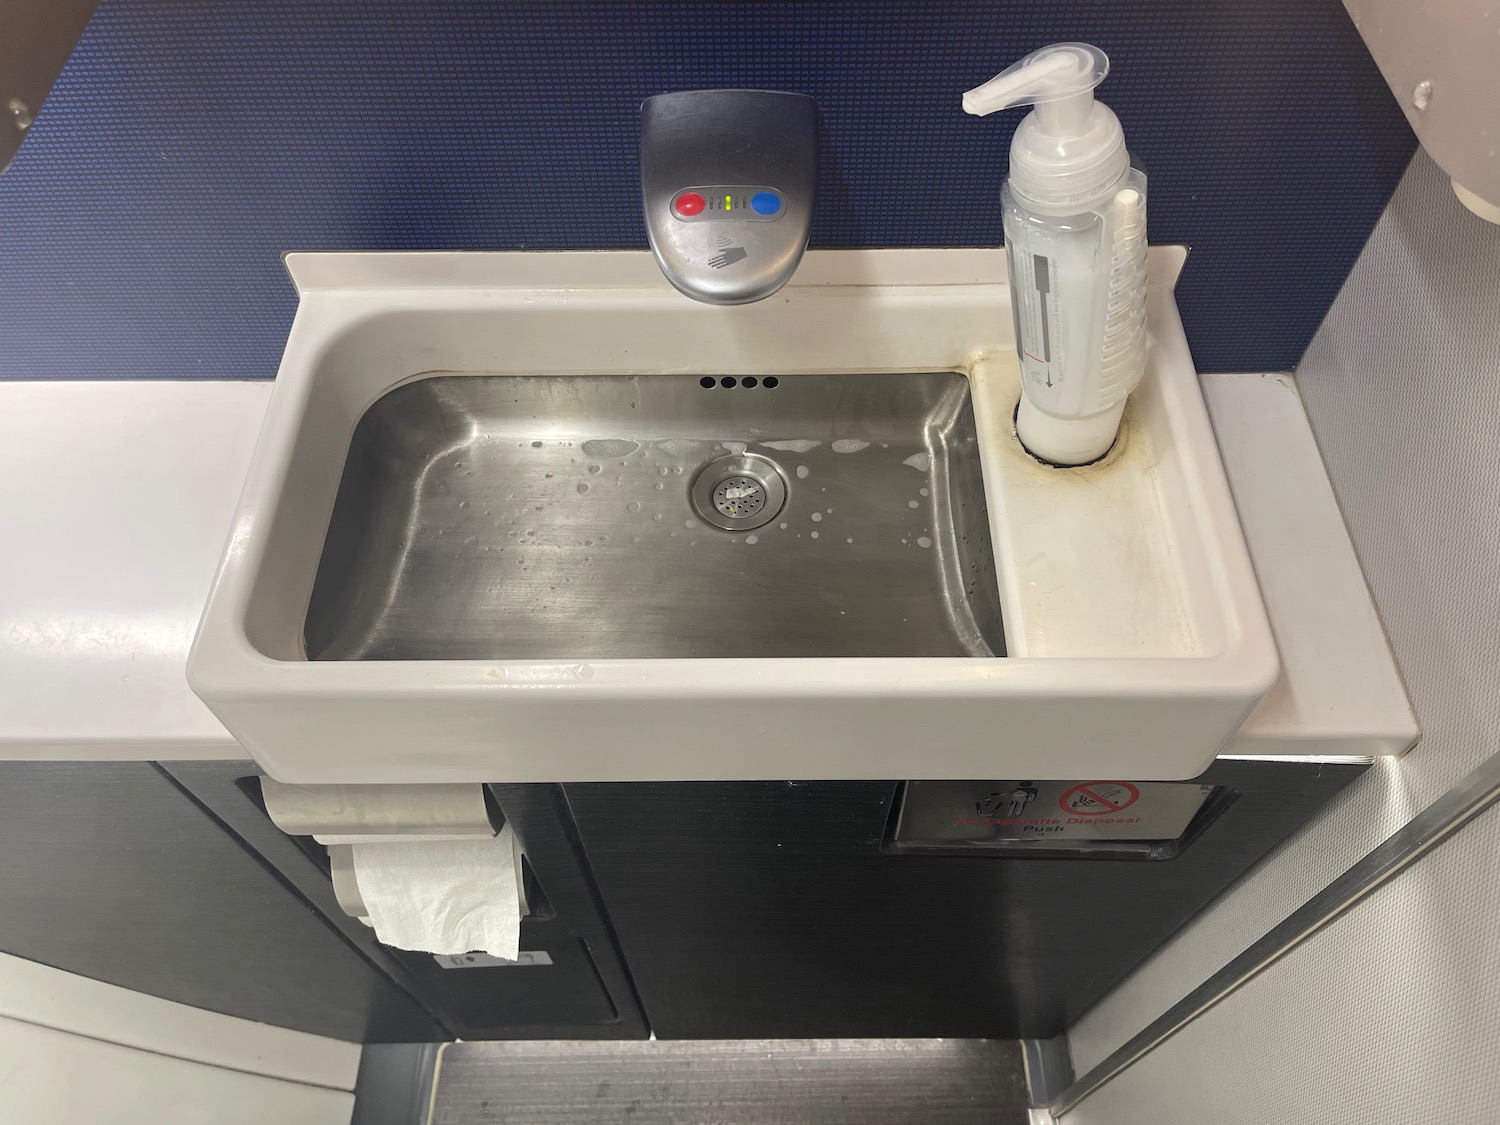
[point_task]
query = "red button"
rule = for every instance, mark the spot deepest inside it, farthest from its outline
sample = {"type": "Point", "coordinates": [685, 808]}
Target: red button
{"type": "Point", "coordinates": [690, 203]}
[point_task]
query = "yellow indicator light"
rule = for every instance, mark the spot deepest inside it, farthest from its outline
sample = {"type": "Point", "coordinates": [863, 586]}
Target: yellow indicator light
{"type": "Point", "coordinates": [728, 203]}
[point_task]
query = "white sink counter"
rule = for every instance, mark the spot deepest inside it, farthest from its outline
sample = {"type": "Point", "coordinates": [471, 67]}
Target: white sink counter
{"type": "Point", "coordinates": [118, 497]}
{"type": "Point", "coordinates": [115, 500]}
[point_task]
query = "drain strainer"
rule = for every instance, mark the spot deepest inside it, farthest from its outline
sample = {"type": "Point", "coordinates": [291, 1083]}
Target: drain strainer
{"type": "Point", "coordinates": [739, 498]}
{"type": "Point", "coordinates": [739, 493]}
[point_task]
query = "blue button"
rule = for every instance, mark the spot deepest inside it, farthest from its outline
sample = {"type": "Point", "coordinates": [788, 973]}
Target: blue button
{"type": "Point", "coordinates": [765, 202]}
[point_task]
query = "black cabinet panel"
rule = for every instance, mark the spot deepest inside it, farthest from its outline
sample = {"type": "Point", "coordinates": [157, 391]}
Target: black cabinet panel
{"type": "Point", "coordinates": [769, 910]}
{"type": "Point", "coordinates": [111, 871]}
{"type": "Point", "coordinates": [541, 820]}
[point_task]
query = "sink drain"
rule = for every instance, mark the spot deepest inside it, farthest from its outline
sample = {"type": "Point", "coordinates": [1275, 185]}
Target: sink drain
{"type": "Point", "coordinates": [739, 493]}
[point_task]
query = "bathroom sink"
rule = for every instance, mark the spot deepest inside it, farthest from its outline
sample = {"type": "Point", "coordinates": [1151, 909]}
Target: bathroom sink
{"type": "Point", "coordinates": [538, 517]}
{"type": "Point", "coordinates": [596, 517]}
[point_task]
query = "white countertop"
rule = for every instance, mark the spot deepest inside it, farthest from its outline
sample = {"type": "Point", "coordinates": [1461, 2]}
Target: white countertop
{"type": "Point", "coordinates": [117, 496]}
{"type": "Point", "coordinates": [115, 499]}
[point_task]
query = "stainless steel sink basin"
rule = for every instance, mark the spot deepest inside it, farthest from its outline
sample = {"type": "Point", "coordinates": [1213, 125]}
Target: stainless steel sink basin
{"type": "Point", "coordinates": [595, 517]}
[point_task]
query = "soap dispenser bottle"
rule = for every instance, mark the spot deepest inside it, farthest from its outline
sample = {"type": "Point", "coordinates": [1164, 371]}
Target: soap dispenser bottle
{"type": "Point", "coordinates": [1075, 238]}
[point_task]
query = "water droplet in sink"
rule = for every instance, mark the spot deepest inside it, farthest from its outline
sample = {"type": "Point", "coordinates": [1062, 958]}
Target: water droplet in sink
{"type": "Point", "coordinates": [848, 540]}
{"type": "Point", "coordinates": [782, 526]}
{"type": "Point", "coordinates": [802, 471]}
{"type": "Point", "coordinates": [923, 492]}
{"type": "Point", "coordinates": [536, 445]}
{"type": "Point", "coordinates": [913, 504]}
{"type": "Point", "coordinates": [463, 504]}
{"type": "Point", "coordinates": [594, 468]}
{"type": "Point", "coordinates": [923, 541]}
{"type": "Point", "coordinates": [633, 506]}
{"type": "Point", "coordinates": [752, 539]}
{"type": "Point", "coordinates": [588, 542]}
{"type": "Point", "coordinates": [817, 516]}
{"type": "Point", "coordinates": [686, 523]}
{"type": "Point", "coordinates": [582, 487]}
{"type": "Point", "coordinates": [815, 535]}
{"type": "Point", "coordinates": [849, 445]}
{"type": "Point", "coordinates": [919, 461]}
{"type": "Point", "coordinates": [471, 540]}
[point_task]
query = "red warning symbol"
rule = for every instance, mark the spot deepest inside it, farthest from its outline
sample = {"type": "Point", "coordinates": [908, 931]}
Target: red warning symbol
{"type": "Point", "coordinates": [1099, 798]}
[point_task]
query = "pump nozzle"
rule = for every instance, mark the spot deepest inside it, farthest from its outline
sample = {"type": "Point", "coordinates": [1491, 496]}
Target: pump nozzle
{"type": "Point", "coordinates": [1059, 80]}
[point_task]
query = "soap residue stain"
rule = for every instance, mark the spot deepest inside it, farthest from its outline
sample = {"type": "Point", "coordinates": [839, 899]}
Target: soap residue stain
{"type": "Point", "coordinates": [802, 471]}
{"type": "Point", "coordinates": [801, 445]}
{"type": "Point", "coordinates": [923, 541]}
{"type": "Point", "coordinates": [849, 445]}
{"type": "Point", "coordinates": [682, 447]}
{"type": "Point", "coordinates": [919, 461]}
{"type": "Point", "coordinates": [609, 447]}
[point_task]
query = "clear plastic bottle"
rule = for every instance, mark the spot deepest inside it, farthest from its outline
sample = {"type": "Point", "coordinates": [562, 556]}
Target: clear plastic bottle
{"type": "Point", "coordinates": [1075, 235]}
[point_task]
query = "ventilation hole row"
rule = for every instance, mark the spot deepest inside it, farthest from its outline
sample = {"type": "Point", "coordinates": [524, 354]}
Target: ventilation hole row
{"type": "Point", "coordinates": [770, 382]}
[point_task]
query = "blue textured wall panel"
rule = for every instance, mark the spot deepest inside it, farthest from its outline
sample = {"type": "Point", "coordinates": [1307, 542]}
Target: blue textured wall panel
{"type": "Point", "coordinates": [189, 142]}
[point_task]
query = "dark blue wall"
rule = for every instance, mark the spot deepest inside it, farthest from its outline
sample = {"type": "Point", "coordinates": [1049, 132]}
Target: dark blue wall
{"type": "Point", "coordinates": [189, 142]}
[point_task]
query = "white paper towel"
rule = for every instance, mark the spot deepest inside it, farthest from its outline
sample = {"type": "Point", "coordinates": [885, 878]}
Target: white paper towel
{"type": "Point", "coordinates": [443, 896]}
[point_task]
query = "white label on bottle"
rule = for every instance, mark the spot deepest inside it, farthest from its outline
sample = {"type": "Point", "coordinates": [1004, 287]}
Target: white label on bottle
{"type": "Point", "coordinates": [1040, 325]}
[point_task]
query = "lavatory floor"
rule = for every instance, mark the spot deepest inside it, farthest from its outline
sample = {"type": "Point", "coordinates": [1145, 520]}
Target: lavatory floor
{"type": "Point", "coordinates": [746, 1082]}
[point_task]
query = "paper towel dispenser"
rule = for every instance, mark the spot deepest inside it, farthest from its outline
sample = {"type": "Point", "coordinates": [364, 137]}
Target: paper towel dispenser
{"type": "Point", "coordinates": [430, 867]}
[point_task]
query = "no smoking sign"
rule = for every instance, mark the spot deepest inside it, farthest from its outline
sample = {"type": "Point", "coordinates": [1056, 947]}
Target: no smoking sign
{"type": "Point", "coordinates": [1099, 798]}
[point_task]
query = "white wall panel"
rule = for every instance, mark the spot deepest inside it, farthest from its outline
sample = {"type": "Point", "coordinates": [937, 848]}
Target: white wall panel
{"type": "Point", "coordinates": [1392, 1014]}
